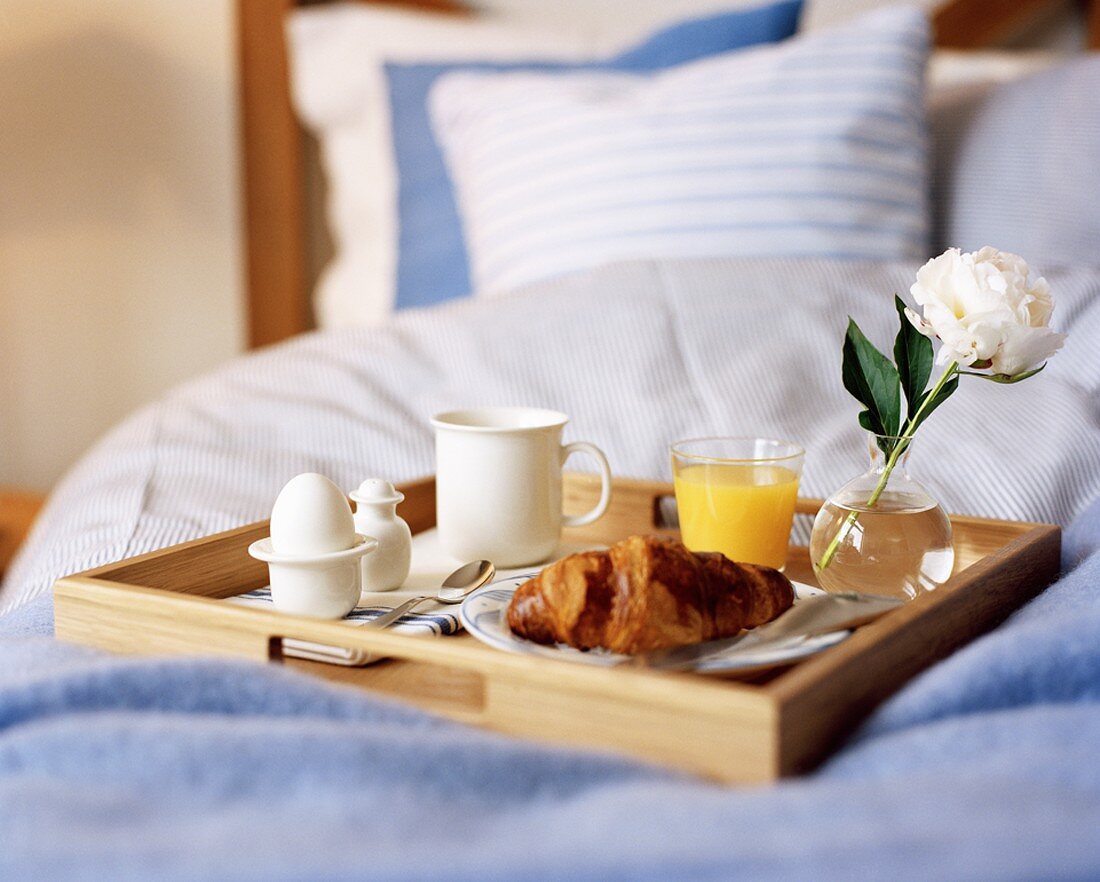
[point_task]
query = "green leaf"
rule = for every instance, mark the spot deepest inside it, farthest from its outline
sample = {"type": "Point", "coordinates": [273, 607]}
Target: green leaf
{"type": "Point", "coordinates": [913, 355]}
{"type": "Point", "coordinates": [945, 392]}
{"type": "Point", "coordinates": [873, 381]}
{"type": "Point", "coordinates": [1005, 379]}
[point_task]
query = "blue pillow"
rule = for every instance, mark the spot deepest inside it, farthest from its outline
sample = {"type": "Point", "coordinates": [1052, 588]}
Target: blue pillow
{"type": "Point", "coordinates": [431, 264]}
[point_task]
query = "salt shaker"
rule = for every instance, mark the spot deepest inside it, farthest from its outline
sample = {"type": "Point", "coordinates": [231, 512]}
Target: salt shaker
{"type": "Point", "coordinates": [376, 515]}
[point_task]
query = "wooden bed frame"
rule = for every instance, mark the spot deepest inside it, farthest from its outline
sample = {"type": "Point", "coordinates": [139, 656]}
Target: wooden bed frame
{"type": "Point", "coordinates": [276, 201]}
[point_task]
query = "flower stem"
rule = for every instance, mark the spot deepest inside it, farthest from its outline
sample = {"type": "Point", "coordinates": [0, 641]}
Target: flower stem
{"type": "Point", "coordinates": [891, 461]}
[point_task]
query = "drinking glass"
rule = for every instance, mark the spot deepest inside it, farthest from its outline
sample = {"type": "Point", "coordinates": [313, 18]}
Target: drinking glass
{"type": "Point", "coordinates": [737, 496]}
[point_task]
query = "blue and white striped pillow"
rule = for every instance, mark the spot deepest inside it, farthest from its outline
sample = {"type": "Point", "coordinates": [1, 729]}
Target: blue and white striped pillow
{"type": "Point", "coordinates": [814, 148]}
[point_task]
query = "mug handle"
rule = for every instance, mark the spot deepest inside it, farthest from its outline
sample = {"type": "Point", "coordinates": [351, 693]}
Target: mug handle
{"type": "Point", "coordinates": [605, 483]}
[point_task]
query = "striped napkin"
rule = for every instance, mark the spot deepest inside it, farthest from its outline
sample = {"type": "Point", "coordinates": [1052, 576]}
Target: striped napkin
{"type": "Point", "coordinates": [429, 618]}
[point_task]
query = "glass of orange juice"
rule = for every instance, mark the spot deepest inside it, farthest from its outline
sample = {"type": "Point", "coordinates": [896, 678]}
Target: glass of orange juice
{"type": "Point", "coordinates": [737, 496]}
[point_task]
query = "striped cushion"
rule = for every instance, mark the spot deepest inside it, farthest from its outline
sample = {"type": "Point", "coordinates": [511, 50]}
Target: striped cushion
{"type": "Point", "coordinates": [431, 259]}
{"type": "Point", "coordinates": [815, 148]}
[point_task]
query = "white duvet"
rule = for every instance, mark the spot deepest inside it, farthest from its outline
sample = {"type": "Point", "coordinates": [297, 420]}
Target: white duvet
{"type": "Point", "coordinates": [639, 354]}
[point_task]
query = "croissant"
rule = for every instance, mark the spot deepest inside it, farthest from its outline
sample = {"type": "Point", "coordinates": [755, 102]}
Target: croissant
{"type": "Point", "coordinates": [645, 593]}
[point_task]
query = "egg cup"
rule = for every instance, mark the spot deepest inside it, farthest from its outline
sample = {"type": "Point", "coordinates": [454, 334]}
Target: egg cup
{"type": "Point", "coordinates": [321, 586]}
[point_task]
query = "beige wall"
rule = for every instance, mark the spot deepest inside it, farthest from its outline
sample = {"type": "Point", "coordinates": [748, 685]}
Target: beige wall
{"type": "Point", "coordinates": [120, 267]}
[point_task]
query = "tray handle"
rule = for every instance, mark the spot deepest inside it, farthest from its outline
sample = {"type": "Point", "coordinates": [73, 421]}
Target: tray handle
{"type": "Point", "coordinates": [280, 648]}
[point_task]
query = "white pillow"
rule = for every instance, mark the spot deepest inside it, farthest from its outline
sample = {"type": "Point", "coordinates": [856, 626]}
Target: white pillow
{"type": "Point", "coordinates": [338, 53]}
{"type": "Point", "coordinates": [815, 147]}
{"type": "Point", "coordinates": [339, 87]}
{"type": "Point", "coordinates": [1014, 165]}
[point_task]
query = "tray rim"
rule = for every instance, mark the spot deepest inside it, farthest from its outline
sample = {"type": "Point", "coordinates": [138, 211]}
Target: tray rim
{"type": "Point", "coordinates": [785, 709]}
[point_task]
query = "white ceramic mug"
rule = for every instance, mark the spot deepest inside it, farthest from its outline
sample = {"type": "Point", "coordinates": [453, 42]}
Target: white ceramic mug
{"type": "Point", "coordinates": [498, 483]}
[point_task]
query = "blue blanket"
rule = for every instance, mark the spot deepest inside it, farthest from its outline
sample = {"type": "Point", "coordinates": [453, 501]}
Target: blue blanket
{"type": "Point", "coordinates": [987, 766]}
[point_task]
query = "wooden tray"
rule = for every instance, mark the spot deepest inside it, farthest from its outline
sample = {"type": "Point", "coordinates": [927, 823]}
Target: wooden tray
{"type": "Point", "coordinates": [167, 602]}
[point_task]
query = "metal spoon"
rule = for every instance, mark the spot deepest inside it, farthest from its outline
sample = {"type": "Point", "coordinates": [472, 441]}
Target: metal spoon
{"type": "Point", "coordinates": [456, 586]}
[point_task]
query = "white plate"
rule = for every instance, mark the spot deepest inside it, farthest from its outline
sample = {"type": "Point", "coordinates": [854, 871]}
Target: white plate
{"type": "Point", "coordinates": [484, 615]}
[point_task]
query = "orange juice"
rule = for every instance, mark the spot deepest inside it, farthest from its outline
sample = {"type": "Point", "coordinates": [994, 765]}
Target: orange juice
{"type": "Point", "coordinates": [743, 510]}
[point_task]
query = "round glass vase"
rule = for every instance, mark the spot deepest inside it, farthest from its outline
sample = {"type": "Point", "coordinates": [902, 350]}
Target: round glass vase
{"type": "Point", "coordinates": [882, 535]}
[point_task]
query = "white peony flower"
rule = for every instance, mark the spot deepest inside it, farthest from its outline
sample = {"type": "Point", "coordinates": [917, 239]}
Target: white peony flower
{"type": "Point", "coordinates": [985, 311]}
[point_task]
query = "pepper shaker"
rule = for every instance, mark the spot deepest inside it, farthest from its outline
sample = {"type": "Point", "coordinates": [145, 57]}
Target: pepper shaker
{"type": "Point", "coordinates": [376, 515]}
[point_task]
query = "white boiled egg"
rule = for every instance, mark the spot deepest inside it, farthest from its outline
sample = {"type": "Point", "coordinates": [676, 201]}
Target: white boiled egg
{"type": "Point", "coordinates": [311, 516]}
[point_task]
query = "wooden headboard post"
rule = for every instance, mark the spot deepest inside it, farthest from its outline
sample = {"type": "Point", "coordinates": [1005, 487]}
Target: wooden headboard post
{"type": "Point", "coordinates": [278, 282]}
{"type": "Point", "coordinates": [279, 300]}
{"type": "Point", "coordinates": [273, 177]}
{"type": "Point", "coordinates": [982, 24]}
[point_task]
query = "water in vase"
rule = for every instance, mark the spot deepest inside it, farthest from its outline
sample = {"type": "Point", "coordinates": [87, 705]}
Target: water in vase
{"type": "Point", "coordinates": [900, 547]}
